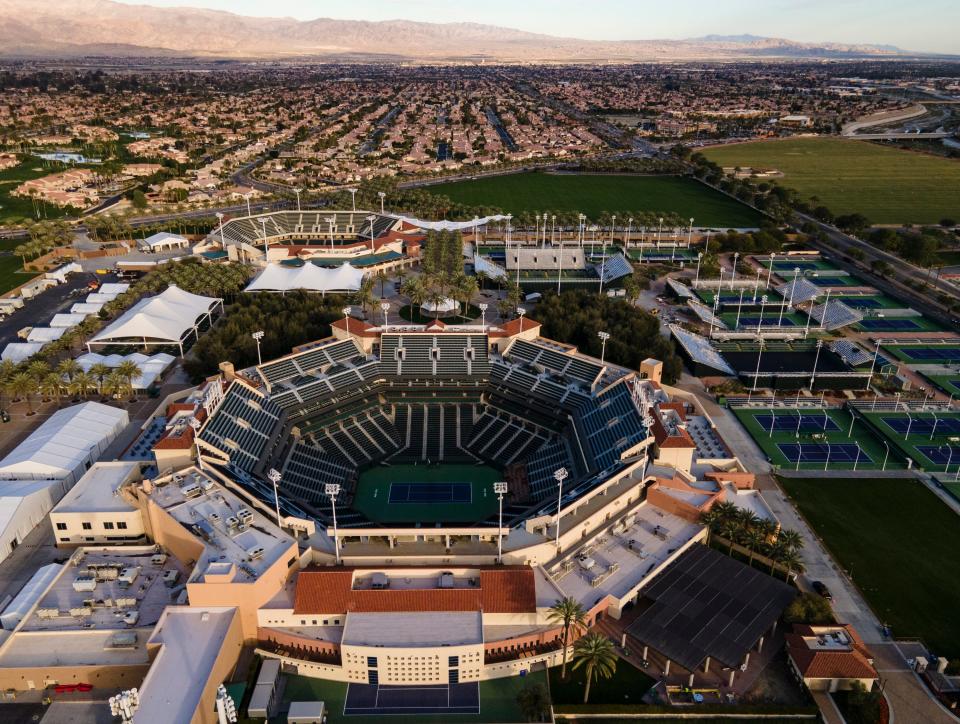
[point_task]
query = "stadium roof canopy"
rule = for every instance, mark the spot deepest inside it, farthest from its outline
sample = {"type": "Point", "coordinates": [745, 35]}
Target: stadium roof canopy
{"type": "Point", "coordinates": [799, 290]}
{"type": "Point", "coordinates": [706, 604]}
{"type": "Point", "coordinates": [165, 319]}
{"type": "Point", "coordinates": [61, 446]}
{"type": "Point", "coordinates": [310, 277]}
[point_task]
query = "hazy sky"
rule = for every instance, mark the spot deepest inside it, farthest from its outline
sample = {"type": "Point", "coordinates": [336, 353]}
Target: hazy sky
{"type": "Point", "coordinates": [925, 25]}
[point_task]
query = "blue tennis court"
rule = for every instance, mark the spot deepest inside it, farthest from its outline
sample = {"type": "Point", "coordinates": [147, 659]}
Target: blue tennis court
{"type": "Point", "coordinates": [430, 493]}
{"type": "Point", "coordinates": [440, 699]}
{"type": "Point", "coordinates": [817, 452]}
{"type": "Point", "coordinates": [929, 353]}
{"type": "Point", "coordinates": [766, 322]}
{"type": "Point", "coordinates": [791, 265]}
{"type": "Point", "coordinates": [923, 425]}
{"type": "Point", "coordinates": [808, 421]}
{"type": "Point", "coordinates": [940, 454]}
{"type": "Point", "coordinates": [861, 302]}
{"type": "Point", "coordinates": [889, 325]}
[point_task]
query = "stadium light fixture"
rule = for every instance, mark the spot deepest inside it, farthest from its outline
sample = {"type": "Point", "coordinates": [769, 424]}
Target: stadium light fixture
{"type": "Point", "coordinates": [385, 306]}
{"type": "Point", "coordinates": [559, 475]}
{"type": "Point", "coordinates": [696, 279]}
{"type": "Point", "coordinates": [383, 197]}
{"type": "Point", "coordinates": [370, 220]}
{"type": "Point", "coordinates": [626, 236]}
{"type": "Point", "coordinates": [770, 270]}
{"type": "Point", "coordinates": [223, 243]}
{"type": "Point", "coordinates": [659, 230]}
{"type": "Point", "coordinates": [553, 230]}
{"type": "Point", "coordinates": [536, 234]}
{"type": "Point", "coordinates": [333, 490]}
{"type": "Point", "coordinates": [560, 267]}
{"type": "Point", "coordinates": [298, 192]}
{"type": "Point", "coordinates": [885, 455]}
{"type": "Point", "coordinates": [346, 317]}
{"type": "Point", "coordinates": [274, 476]}
{"type": "Point", "coordinates": [483, 316]}
{"type": "Point", "coordinates": [331, 222]}
{"type": "Point", "coordinates": [756, 286]}
{"type": "Point", "coordinates": [613, 229]}
{"type": "Point", "coordinates": [793, 287]}
{"type": "Point", "coordinates": [195, 424]}
{"type": "Point", "coordinates": [739, 308]}
{"type": "Point", "coordinates": [813, 375]}
{"type": "Point", "coordinates": [247, 199]}
{"type": "Point", "coordinates": [690, 233]}
{"type": "Point", "coordinates": [756, 375]}
{"type": "Point", "coordinates": [263, 227]}
{"type": "Point", "coordinates": [733, 274]}
{"type": "Point", "coordinates": [500, 489]}
{"type": "Point", "coordinates": [604, 336]}
{"type": "Point", "coordinates": [257, 336]}
{"type": "Point", "coordinates": [873, 366]}
{"type": "Point", "coordinates": [763, 306]}
{"type": "Point", "coordinates": [353, 198]}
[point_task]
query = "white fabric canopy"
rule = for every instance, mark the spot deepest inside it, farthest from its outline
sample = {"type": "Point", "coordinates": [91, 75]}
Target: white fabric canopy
{"type": "Point", "coordinates": [166, 317]}
{"type": "Point", "coordinates": [280, 278]}
{"type": "Point", "coordinates": [46, 334]}
{"type": "Point", "coordinates": [85, 308]}
{"type": "Point", "coordinates": [67, 320]}
{"type": "Point", "coordinates": [19, 351]}
{"type": "Point", "coordinates": [165, 239]}
{"type": "Point", "coordinates": [100, 297]}
{"type": "Point", "coordinates": [450, 225]}
{"type": "Point", "coordinates": [113, 288]}
{"type": "Point", "coordinates": [446, 305]}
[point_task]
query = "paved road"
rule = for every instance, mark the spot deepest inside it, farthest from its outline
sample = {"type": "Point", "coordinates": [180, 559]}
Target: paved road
{"type": "Point", "coordinates": [39, 310]}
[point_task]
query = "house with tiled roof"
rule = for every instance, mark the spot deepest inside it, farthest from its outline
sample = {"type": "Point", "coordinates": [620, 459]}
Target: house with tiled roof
{"type": "Point", "coordinates": [829, 658]}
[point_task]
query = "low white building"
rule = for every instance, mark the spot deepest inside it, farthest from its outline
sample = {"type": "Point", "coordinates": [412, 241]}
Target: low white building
{"type": "Point", "coordinates": [94, 511]}
{"type": "Point", "coordinates": [164, 241]}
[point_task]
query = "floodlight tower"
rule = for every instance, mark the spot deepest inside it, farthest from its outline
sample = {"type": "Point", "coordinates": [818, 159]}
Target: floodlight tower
{"type": "Point", "coordinates": [331, 222]}
{"type": "Point", "coordinates": [247, 199]}
{"type": "Point", "coordinates": [581, 218]}
{"type": "Point", "coordinates": [370, 220]}
{"type": "Point", "coordinates": [223, 242]}
{"type": "Point", "coordinates": [553, 230]}
{"type": "Point", "coordinates": [659, 231]}
{"type": "Point", "coordinates": [536, 233]}
{"type": "Point", "coordinates": [520, 312]}
{"type": "Point", "coordinates": [816, 359]}
{"type": "Point", "coordinates": [500, 489]}
{"type": "Point", "coordinates": [383, 197]}
{"type": "Point", "coordinates": [257, 336]}
{"type": "Point", "coordinates": [195, 424]}
{"type": "Point", "coordinates": [604, 336]}
{"type": "Point", "coordinates": [696, 279]}
{"type": "Point", "coordinates": [298, 192]}
{"type": "Point", "coordinates": [690, 233]}
{"type": "Point", "coordinates": [263, 228]}
{"type": "Point", "coordinates": [733, 276]}
{"type": "Point", "coordinates": [274, 476]}
{"type": "Point", "coordinates": [346, 317]}
{"type": "Point", "coordinates": [385, 306]}
{"type": "Point", "coordinates": [626, 236]}
{"type": "Point", "coordinates": [333, 490]}
{"type": "Point", "coordinates": [353, 198]}
{"type": "Point", "coordinates": [559, 475]}
{"type": "Point", "coordinates": [770, 270]}
{"type": "Point", "coordinates": [483, 316]}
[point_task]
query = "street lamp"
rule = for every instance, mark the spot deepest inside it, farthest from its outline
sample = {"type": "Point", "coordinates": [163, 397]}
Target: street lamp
{"type": "Point", "coordinates": [333, 490]}
{"type": "Point", "coordinates": [274, 476]}
{"type": "Point", "coordinates": [500, 489]}
{"type": "Point", "coordinates": [257, 336]}
{"type": "Point", "coordinates": [385, 306]}
{"type": "Point", "coordinates": [247, 199]}
{"type": "Point", "coordinates": [604, 336]}
{"type": "Point", "coordinates": [559, 475]}
{"type": "Point", "coordinates": [696, 279]}
{"type": "Point", "coordinates": [483, 316]}
{"type": "Point", "coordinates": [383, 197]}
{"type": "Point", "coordinates": [353, 198]}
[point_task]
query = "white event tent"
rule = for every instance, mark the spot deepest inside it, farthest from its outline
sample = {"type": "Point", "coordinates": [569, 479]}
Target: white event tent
{"type": "Point", "coordinates": [310, 277]}
{"type": "Point", "coordinates": [166, 319]}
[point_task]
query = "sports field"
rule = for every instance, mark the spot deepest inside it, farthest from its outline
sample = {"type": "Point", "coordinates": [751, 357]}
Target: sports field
{"type": "Point", "coordinates": [815, 439]}
{"type": "Point", "coordinates": [594, 194]}
{"type": "Point", "coordinates": [899, 324]}
{"type": "Point", "coordinates": [427, 493]}
{"type": "Point", "coordinates": [887, 185]}
{"type": "Point", "coordinates": [948, 383]}
{"type": "Point", "coordinates": [930, 439]}
{"type": "Point", "coordinates": [898, 542]}
{"type": "Point", "coordinates": [925, 354]}
{"type": "Point", "coordinates": [869, 302]}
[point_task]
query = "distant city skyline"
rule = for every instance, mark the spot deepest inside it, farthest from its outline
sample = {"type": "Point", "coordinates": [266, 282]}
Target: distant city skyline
{"type": "Point", "coordinates": [923, 25]}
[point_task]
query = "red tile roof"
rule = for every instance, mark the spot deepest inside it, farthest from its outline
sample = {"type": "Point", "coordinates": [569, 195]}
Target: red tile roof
{"type": "Point", "coordinates": [664, 439]}
{"type": "Point", "coordinates": [356, 327]}
{"type": "Point", "coordinates": [510, 589]}
{"type": "Point", "coordinates": [853, 663]}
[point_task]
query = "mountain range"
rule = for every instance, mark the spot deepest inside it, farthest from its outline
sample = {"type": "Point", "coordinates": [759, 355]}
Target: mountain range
{"type": "Point", "coordinates": [75, 28]}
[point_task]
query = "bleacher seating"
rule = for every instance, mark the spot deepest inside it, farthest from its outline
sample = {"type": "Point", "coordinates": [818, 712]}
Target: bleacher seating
{"type": "Point", "coordinates": [851, 352]}
{"type": "Point", "coordinates": [434, 355]}
{"type": "Point", "coordinates": [308, 468]}
{"type": "Point", "coordinates": [550, 457]}
{"type": "Point", "coordinates": [835, 314]}
{"type": "Point", "coordinates": [564, 366]}
{"type": "Point", "coordinates": [613, 267]}
{"type": "Point", "coordinates": [700, 350]}
{"type": "Point", "coordinates": [613, 425]}
{"type": "Point", "coordinates": [242, 425]}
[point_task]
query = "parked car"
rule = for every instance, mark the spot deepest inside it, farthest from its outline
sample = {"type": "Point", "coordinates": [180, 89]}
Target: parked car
{"type": "Point", "coordinates": [822, 590]}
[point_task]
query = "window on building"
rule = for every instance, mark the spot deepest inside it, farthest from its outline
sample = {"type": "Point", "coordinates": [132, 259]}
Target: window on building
{"type": "Point", "coordinates": [86, 526]}
{"type": "Point", "coordinates": [121, 525]}
{"type": "Point", "coordinates": [61, 526]}
{"type": "Point", "coordinates": [108, 526]}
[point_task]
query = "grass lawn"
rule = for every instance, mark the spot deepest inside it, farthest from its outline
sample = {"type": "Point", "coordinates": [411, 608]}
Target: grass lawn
{"type": "Point", "coordinates": [899, 541]}
{"type": "Point", "coordinates": [373, 493]}
{"type": "Point", "coordinates": [592, 195]}
{"type": "Point", "coordinates": [948, 383]}
{"type": "Point", "coordinates": [627, 686]}
{"type": "Point", "coordinates": [11, 273]}
{"type": "Point", "coordinates": [498, 701]}
{"type": "Point", "coordinates": [872, 450]}
{"type": "Point", "coordinates": [887, 185]}
{"type": "Point", "coordinates": [931, 431]}
{"type": "Point", "coordinates": [22, 207]}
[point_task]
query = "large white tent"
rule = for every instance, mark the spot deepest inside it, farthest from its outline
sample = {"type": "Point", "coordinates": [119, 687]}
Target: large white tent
{"type": "Point", "coordinates": [164, 240]}
{"type": "Point", "coordinates": [65, 445]}
{"type": "Point", "coordinates": [24, 601]}
{"type": "Point", "coordinates": [46, 334]}
{"type": "Point", "coordinates": [166, 319]}
{"type": "Point", "coordinates": [19, 351]}
{"type": "Point", "coordinates": [151, 367]}
{"type": "Point", "coordinates": [23, 504]}
{"type": "Point", "coordinates": [310, 277]}
{"type": "Point", "coordinates": [67, 320]}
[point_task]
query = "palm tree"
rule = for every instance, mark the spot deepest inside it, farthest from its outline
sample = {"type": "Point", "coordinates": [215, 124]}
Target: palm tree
{"type": "Point", "coordinates": [51, 386]}
{"type": "Point", "coordinates": [128, 371]}
{"type": "Point", "coordinates": [754, 540]}
{"type": "Point", "coordinates": [68, 368]}
{"type": "Point", "coordinates": [729, 529]}
{"type": "Point", "coordinates": [81, 384]}
{"type": "Point", "coordinates": [99, 371]}
{"type": "Point", "coordinates": [597, 654]}
{"type": "Point", "coordinates": [792, 562]}
{"type": "Point", "coordinates": [533, 702]}
{"type": "Point", "coordinates": [22, 385]}
{"type": "Point", "coordinates": [38, 369]}
{"type": "Point", "coordinates": [115, 384]}
{"type": "Point", "coordinates": [8, 368]}
{"type": "Point", "coordinates": [568, 613]}
{"type": "Point", "coordinates": [791, 539]}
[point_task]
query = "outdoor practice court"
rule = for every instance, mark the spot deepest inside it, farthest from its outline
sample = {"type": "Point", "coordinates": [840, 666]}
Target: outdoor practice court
{"type": "Point", "coordinates": [372, 699]}
{"type": "Point", "coordinates": [940, 454]}
{"type": "Point", "coordinates": [889, 325]}
{"type": "Point", "coordinates": [924, 425]}
{"type": "Point", "coordinates": [438, 493]}
{"type": "Point", "coordinates": [430, 493]}
{"type": "Point", "coordinates": [768, 321]}
{"type": "Point", "coordinates": [933, 354]}
{"type": "Point", "coordinates": [817, 452]}
{"type": "Point", "coordinates": [793, 420]}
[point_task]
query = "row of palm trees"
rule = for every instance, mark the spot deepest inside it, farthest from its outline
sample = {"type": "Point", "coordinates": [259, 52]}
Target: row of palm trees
{"type": "Point", "coordinates": [759, 535]}
{"type": "Point", "coordinates": [435, 288]}
{"type": "Point", "coordinates": [594, 652]}
{"type": "Point", "coordinates": [24, 381]}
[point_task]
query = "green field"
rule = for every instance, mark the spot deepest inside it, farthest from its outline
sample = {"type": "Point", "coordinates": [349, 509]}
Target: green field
{"type": "Point", "coordinates": [872, 449]}
{"type": "Point", "coordinates": [948, 383]}
{"type": "Point", "coordinates": [11, 273]}
{"type": "Point", "coordinates": [593, 195]}
{"type": "Point", "coordinates": [949, 352]}
{"type": "Point", "coordinates": [927, 429]}
{"type": "Point", "coordinates": [627, 686]}
{"type": "Point", "coordinates": [898, 541]}
{"type": "Point", "coordinates": [21, 207]}
{"type": "Point", "coordinates": [498, 701]}
{"type": "Point", "coordinates": [887, 185]}
{"type": "Point", "coordinates": [373, 493]}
